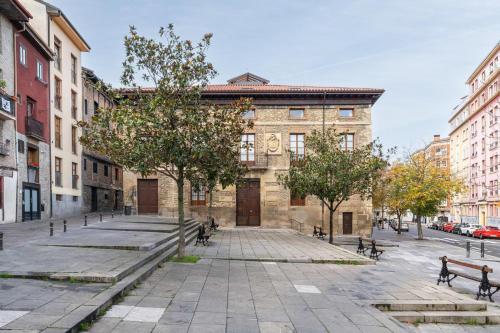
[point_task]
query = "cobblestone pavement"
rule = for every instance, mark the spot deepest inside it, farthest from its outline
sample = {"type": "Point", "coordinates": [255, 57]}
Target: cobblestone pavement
{"type": "Point", "coordinates": [216, 295]}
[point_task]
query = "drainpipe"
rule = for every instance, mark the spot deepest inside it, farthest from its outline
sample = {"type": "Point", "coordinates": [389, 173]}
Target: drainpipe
{"type": "Point", "coordinates": [14, 41]}
{"type": "Point", "coordinates": [51, 213]}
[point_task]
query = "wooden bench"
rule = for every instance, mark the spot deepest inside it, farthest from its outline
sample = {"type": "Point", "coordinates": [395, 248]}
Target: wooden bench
{"type": "Point", "coordinates": [318, 234]}
{"type": "Point", "coordinates": [485, 285]}
{"type": "Point", "coordinates": [203, 235]}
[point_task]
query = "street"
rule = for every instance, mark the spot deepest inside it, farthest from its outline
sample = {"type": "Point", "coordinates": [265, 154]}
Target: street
{"type": "Point", "coordinates": [492, 246]}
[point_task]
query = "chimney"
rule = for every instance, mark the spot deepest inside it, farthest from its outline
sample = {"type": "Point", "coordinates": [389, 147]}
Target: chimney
{"type": "Point", "coordinates": [437, 137]}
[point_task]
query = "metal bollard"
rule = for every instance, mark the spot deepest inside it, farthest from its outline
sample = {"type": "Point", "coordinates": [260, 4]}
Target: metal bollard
{"type": "Point", "coordinates": [112, 215]}
{"type": "Point", "coordinates": [64, 226]}
{"type": "Point", "coordinates": [100, 217]}
{"type": "Point", "coordinates": [51, 228]}
{"type": "Point", "coordinates": [482, 249]}
{"type": "Point", "coordinates": [467, 249]}
{"type": "Point", "coordinates": [1, 241]}
{"type": "Point", "coordinates": [85, 221]}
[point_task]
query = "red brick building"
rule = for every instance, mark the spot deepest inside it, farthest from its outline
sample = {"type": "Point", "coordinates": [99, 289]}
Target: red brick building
{"type": "Point", "coordinates": [33, 119]}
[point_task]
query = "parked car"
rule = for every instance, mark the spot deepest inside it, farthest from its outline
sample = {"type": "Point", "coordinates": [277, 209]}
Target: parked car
{"type": "Point", "coordinates": [448, 227]}
{"type": "Point", "coordinates": [467, 229]}
{"type": "Point", "coordinates": [457, 227]}
{"type": "Point", "coordinates": [441, 225]}
{"type": "Point", "coordinates": [486, 232]}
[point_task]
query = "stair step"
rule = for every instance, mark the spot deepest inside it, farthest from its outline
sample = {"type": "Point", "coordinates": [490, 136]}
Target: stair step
{"type": "Point", "coordinates": [447, 317]}
{"type": "Point", "coordinates": [426, 305]}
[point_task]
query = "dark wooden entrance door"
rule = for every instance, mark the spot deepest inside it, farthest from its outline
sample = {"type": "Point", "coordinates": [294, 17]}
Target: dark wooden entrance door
{"type": "Point", "coordinates": [248, 203]}
{"type": "Point", "coordinates": [347, 223]}
{"type": "Point", "coordinates": [93, 200]}
{"type": "Point", "coordinates": [147, 196]}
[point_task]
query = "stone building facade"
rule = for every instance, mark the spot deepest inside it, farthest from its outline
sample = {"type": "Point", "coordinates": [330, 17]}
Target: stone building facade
{"type": "Point", "coordinates": [102, 180]}
{"type": "Point", "coordinates": [474, 145]}
{"type": "Point", "coordinates": [282, 116]}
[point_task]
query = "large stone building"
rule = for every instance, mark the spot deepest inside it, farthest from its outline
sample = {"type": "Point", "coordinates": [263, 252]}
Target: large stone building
{"type": "Point", "coordinates": [438, 152]}
{"type": "Point", "coordinates": [474, 145]}
{"type": "Point", "coordinates": [12, 18]}
{"type": "Point", "coordinates": [33, 118]}
{"type": "Point", "coordinates": [58, 32]}
{"type": "Point", "coordinates": [102, 180]}
{"type": "Point", "coordinates": [282, 115]}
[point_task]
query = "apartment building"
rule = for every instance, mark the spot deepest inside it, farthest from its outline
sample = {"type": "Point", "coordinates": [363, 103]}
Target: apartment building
{"type": "Point", "coordinates": [474, 144]}
{"type": "Point", "coordinates": [283, 115]}
{"type": "Point", "coordinates": [33, 118]}
{"type": "Point", "coordinates": [13, 16]}
{"type": "Point", "coordinates": [58, 32]}
{"type": "Point", "coordinates": [102, 179]}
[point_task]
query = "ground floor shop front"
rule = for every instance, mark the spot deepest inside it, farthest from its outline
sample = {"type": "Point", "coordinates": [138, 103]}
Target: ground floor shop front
{"type": "Point", "coordinates": [258, 200]}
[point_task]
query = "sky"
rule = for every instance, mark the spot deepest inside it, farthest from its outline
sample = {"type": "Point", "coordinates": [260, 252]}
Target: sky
{"type": "Point", "coordinates": [421, 52]}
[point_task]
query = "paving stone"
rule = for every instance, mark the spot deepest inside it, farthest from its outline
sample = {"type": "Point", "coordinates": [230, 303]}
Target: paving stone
{"type": "Point", "coordinates": [133, 327]}
{"type": "Point", "coordinates": [172, 317]}
{"type": "Point", "coordinates": [150, 315]}
{"type": "Point", "coordinates": [216, 318]}
{"type": "Point", "coordinates": [180, 306]}
{"type": "Point", "coordinates": [207, 328]}
{"type": "Point", "coordinates": [118, 311]}
{"type": "Point", "coordinates": [7, 316]}
{"type": "Point", "coordinates": [32, 322]}
{"type": "Point", "coordinates": [272, 327]}
{"type": "Point", "coordinates": [104, 325]}
{"type": "Point", "coordinates": [155, 302]}
{"type": "Point", "coordinates": [161, 328]}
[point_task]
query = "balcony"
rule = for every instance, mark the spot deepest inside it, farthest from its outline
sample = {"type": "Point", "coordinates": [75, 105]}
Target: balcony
{"type": "Point", "coordinates": [4, 149]}
{"type": "Point", "coordinates": [260, 161]}
{"type": "Point", "coordinates": [75, 182]}
{"type": "Point", "coordinates": [7, 108]}
{"type": "Point", "coordinates": [34, 128]}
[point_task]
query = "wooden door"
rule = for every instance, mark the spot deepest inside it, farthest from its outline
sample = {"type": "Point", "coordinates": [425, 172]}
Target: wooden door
{"type": "Point", "coordinates": [93, 206]}
{"type": "Point", "coordinates": [147, 196]}
{"type": "Point", "coordinates": [248, 203]}
{"type": "Point", "coordinates": [347, 223]}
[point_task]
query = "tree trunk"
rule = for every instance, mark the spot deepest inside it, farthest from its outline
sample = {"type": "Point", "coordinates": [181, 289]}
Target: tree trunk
{"type": "Point", "coordinates": [399, 224]}
{"type": "Point", "coordinates": [419, 228]}
{"type": "Point", "coordinates": [210, 200]}
{"type": "Point", "coordinates": [382, 216]}
{"type": "Point", "coordinates": [180, 210]}
{"type": "Point", "coordinates": [330, 238]}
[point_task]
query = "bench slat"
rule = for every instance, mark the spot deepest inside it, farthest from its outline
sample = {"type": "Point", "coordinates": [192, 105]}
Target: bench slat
{"type": "Point", "coordinates": [465, 275]}
{"type": "Point", "coordinates": [466, 264]}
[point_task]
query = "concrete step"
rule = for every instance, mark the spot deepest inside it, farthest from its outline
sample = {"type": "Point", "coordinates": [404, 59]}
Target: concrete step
{"type": "Point", "coordinates": [435, 305]}
{"type": "Point", "coordinates": [447, 317]}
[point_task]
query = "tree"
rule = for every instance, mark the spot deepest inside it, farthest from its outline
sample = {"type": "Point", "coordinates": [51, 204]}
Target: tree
{"type": "Point", "coordinates": [428, 187]}
{"type": "Point", "coordinates": [333, 173]}
{"type": "Point", "coordinates": [380, 193]}
{"type": "Point", "coordinates": [397, 191]}
{"type": "Point", "coordinates": [164, 129]}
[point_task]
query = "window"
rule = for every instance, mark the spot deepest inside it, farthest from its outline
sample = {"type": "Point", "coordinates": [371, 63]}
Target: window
{"type": "Point", "coordinates": [73, 69]}
{"type": "Point", "coordinates": [1, 187]}
{"type": "Point", "coordinates": [58, 169]}
{"type": "Point", "coordinates": [58, 197]}
{"type": "Point", "coordinates": [297, 200]}
{"type": "Point", "coordinates": [74, 175]}
{"type": "Point", "coordinates": [58, 134]}
{"type": "Point", "coordinates": [296, 113]}
{"type": "Point", "coordinates": [20, 146]}
{"type": "Point", "coordinates": [247, 149]}
{"type": "Point", "coordinates": [94, 167]}
{"type": "Point", "coordinates": [346, 113]}
{"type": "Point", "coordinates": [85, 164]}
{"type": "Point", "coordinates": [22, 55]}
{"type": "Point", "coordinates": [73, 139]}
{"type": "Point", "coordinates": [73, 104]}
{"type": "Point", "coordinates": [347, 142]}
{"type": "Point", "coordinates": [57, 53]}
{"type": "Point", "coordinates": [75, 198]}
{"type": "Point", "coordinates": [30, 107]}
{"type": "Point", "coordinates": [249, 114]}
{"type": "Point", "coordinates": [117, 175]}
{"type": "Point", "coordinates": [197, 197]}
{"type": "Point", "coordinates": [96, 107]}
{"type": "Point", "coordinates": [86, 106]}
{"type": "Point", "coordinates": [296, 146]}
{"type": "Point", "coordinates": [39, 70]}
{"type": "Point", "coordinates": [106, 171]}
{"type": "Point", "coordinates": [58, 94]}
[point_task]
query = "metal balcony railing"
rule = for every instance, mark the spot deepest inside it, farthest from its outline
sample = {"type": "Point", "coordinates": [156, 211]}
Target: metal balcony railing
{"type": "Point", "coordinates": [257, 161]}
{"type": "Point", "coordinates": [34, 128]}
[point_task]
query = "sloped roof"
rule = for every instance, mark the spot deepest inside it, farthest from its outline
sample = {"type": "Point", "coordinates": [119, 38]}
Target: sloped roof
{"type": "Point", "coordinates": [248, 79]}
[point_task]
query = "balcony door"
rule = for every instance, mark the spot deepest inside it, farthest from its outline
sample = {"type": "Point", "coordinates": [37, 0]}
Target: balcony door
{"type": "Point", "coordinates": [31, 202]}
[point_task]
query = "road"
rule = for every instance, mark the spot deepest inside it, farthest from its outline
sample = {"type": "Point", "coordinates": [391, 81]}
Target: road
{"type": "Point", "coordinates": [492, 246]}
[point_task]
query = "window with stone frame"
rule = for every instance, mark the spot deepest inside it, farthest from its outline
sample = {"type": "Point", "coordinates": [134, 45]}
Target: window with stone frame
{"type": "Point", "coordinates": [57, 132]}
{"type": "Point", "coordinates": [58, 93]}
{"type": "Point", "coordinates": [247, 148]}
{"type": "Point", "coordinates": [58, 171]}
{"type": "Point", "coordinates": [74, 107]}
{"type": "Point", "coordinates": [347, 141]}
{"type": "Point", "coordinates": [249, 114]}
{"type": "Point", "coordinates": [297, 148]}
{"type": "Point", "coordinates": [297, 200]}
{"type": "Point", "coordinates": [198, 196]}
{"type": "Point", "coordinates": [346, 113]}
{"type": "Point", "coordinates": [74, 139]}
{"type": "Point", "coordinates": [73, 70]}
{"type": "Point", "coordinates": [57, 53]}
{"type": "Point", "coordinates": [296, 113]}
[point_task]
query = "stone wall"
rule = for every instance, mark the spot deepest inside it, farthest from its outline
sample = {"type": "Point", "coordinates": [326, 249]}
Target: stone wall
{"type": "Point", "coordinates": [275, 208]}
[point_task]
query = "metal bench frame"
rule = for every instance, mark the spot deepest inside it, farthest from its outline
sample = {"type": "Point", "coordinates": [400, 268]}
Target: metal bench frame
{"type": "Point", "coordinates": [374, 253]}
{"type": "Point", "coordinates": [361, 247]}
{"type": "Point", "coordinates": [319, 234]}
{"type": "Point", "coordinates": [484, 283]}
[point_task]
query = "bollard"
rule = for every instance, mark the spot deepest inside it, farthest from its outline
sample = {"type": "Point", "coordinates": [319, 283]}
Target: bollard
{"type": "Point", "coordinates": [482, 249]}
{"type": "Point", "coordinates": [64, 226]}
{"type": "Point", "coordinates": [51, 228]}
{"type": "Point", "coordinates": [100, 217]}
{"type": "Point", "coordinates": [468, 249]}
{"type": "Point", "coordinates": [85, 221]}
{"type": "Point", "coordinates": [1, 241]}
{"type": "Point", "coordinates": [112, 215]}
